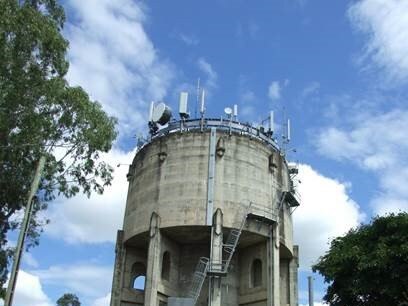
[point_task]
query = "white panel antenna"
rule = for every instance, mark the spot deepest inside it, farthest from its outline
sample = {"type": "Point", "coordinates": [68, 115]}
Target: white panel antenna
{"type": "Point", "coordinates": [183, 105]}
{"type": "Point", "coordinates": [288, 131]}
{"type": "Point", "coordinates": [235, 114]}
{"type": "Point", "coordinates": [198, 98]}
{"type": "Point", "coordinates": [271, 122]}
{"type": "Point", "coordinates": [151, 111]}
{"type": "Point", "coordinates": [202, 106]}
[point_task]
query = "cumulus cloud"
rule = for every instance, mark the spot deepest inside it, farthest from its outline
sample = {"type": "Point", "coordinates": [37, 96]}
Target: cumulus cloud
{"type": "Point", "coordinates": [29, 260]}
{"type": "Point", "coordinates": [210, 73]}
{"type": "Point", "coordinates": [103, 301]}
{"type": "Point", "coordinates": [385, 24]}
{"type": "Point", "coordinates": [92, 281]}
{"type": "Point", "coordinates": [247, 96]}
{"type": "Point", "coordinates": [189, 40]}
{"type": "Point", "coordinates": [247, 99]}
{"type": "Point", "coordinates": [310, 89]}
{"type": "Point", "coordinates": [96, 219]}
{"type": "Point", "coordinates": [326, 212]}
{"type": "Point", "coordinates": [75, 277]}
{"type": "Point", "coordinates": [274, 90]}
{"type": "Point", "coordinates": [29, 291]}
{"type": "Point", "coordinates": [112, 57]}
{"type": "Point", "coordinates": [246, 30]}
{"type": "Point", "coordinates": [377, 143]}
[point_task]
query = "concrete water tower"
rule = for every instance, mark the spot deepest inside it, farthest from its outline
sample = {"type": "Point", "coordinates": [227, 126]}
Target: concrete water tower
{"type": "Point", "coordinates": [208, 216]}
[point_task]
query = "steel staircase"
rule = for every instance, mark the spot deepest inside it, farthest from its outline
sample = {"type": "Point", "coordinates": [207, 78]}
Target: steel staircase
{"type": "Point", "coordinates": [198, 278]}
{"type": "Point", "coordinates": [204, 266]}
{"type": "Point", "coordinates": [229, 246]}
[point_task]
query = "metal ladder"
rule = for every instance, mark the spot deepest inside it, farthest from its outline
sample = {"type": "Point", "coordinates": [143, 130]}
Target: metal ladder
{"type": "Point", "coordinates": [233, 238]}
{"type": "Point", "coordinates": [198, 278]}
{"type": "Point", "coordinates": [203, 266]}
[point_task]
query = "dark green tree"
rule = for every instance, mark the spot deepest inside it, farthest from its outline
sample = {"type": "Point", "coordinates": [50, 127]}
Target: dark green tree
{"type": "Point", "coordinates": [68, 299]}
{"type": "Point", "coordinates": [369, 265]}
{"type": "Point", "coordinates": [40, 114]}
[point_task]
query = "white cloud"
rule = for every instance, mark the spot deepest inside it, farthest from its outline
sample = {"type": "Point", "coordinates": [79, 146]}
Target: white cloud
{"type": "Point", "coordinates": [387, 203]}
{"type": "Point", "coordinates": [248, 96]}
{"type": "Point", "coordinates": [378, 143]}
{"type": "Point", "coordinates": [91, 281]}
{"type": "Point", "coordinates": [326, 212]}
{"type": "Point", "coordinates": [189, 40]}
{"type": "Point", "coordinates": [95, 219]}
{"type": "Point", "coordinates": [247, 100]}
{"type": "Point", "coordinates": [249, 29]}
{"type": "Point", "coordinates": [211, 74]}
{"type": "Point", "coordinates": [274, 90]}
{"type": "Point", "coordinates": [385, 23]}
{"type": "Point", "coordinates": [103, 301]}
{"type": "Point", "coordinates": [75, 277]}
{"type": "Point", "coordinates": [310, 89]}
{"type": "Point", "coordinates": [29, 260]}
{"type": "Point", "coordinates": [112, 57]}
{"type": "Point", "coordinates": [301, 3]}
{"type": "Point", "coordinates": [29, 291]}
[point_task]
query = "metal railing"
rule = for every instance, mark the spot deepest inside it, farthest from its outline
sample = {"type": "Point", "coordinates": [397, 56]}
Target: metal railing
{"type": "Point", "coordinates": [266, 212]}
{"type": "Point", "coordinates": [219, 123]}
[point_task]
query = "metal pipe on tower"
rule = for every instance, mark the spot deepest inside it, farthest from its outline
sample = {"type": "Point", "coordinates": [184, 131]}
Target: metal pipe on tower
{"type": "Point", "coordinates": [310, 286]}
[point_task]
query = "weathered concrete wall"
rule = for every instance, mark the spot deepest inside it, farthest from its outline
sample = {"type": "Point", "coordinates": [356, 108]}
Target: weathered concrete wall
{"type": "Point", "coordinates": [230, 284]}
{"type": "Point", "coordinates": [177, 186]}
{"type": "Point", "coordinates": [249, 292]}
{"type": "Point", "coordinates": [170, 287]}
{"type": "Point", "coordinates": [168, 178]}
{"type": "Point", "coordinates": [284, 281]}
{"type": "Point", "coordinates": [286, 227]}
{"type": "Point", "coordinates": [118, 269]}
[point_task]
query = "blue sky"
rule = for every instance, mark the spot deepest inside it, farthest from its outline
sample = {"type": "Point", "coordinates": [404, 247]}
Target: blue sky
{"type": "Point", "coordinates": [338, 68]}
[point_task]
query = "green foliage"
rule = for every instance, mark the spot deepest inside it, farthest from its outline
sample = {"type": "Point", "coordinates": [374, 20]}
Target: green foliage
{"type": "Point", "coordinates": [40, 114]}
{"type": "Point", "coordinates": [4, 257]}
{"type": "Point", "coordinates": [369, 265]}
{"type": "Point", "coordinates": [68, 299]}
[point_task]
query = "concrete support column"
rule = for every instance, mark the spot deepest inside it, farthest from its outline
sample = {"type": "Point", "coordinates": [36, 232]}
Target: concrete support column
{"type": "Point", "coordinates": [293, 276]}
{"type": "Point", "coordinates": [214, 287]}
{"type": "Point", "coordinates": [211, 177]}
{"type": "Point", "coordinates": [118, 274]}
{"type": "Point", "coordinates": [153, 262]}
{"type": "Point", "coordinates": [273, 266]}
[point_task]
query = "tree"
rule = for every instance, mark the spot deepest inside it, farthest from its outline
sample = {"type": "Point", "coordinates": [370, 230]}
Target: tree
{"type": "Point", "coordinates": [369, 265]}
{"type": "Point", "coordinates": [68, 299]}
{"type": "Point", "coordinates": [40, 114]}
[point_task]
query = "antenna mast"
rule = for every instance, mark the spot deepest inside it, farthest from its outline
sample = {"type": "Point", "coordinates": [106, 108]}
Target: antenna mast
{"type": "Point", "coordinates": [286, 135]}
{"type": "Point", "coordinates": [202, 108]}
{"type": "Point", "coordinates": [198, 98]}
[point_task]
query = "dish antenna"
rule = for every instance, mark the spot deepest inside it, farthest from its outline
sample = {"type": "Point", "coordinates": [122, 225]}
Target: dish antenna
{"type": "Point", "coordinates": [228, 111]}
{"type": "Point", "coordinates": [160, 114]}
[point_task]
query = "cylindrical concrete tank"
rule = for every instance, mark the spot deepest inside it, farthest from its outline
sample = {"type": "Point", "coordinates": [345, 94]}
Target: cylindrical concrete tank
{"type": "Point", "coordinates": [219, 191]}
